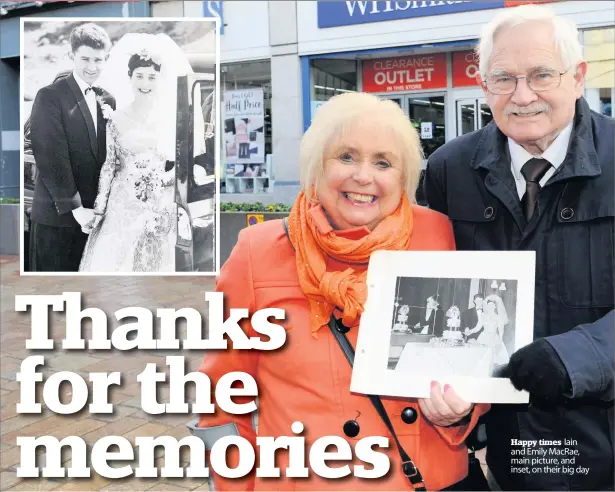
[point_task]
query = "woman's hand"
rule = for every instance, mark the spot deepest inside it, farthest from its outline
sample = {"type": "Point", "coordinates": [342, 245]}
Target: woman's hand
{"type": "Point", "coordinates": [444, 408]}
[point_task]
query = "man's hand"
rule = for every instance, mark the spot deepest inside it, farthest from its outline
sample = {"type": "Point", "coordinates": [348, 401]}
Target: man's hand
{"type": "Point", "coordinates": [538, 369]}
{"type": "Point", "coordinates": [444, 408]}
{"type": "Point", "coordinates": [84, 216]}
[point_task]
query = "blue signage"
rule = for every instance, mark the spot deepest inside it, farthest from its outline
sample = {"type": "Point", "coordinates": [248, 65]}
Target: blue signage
{"type": "Point", "coordinates": [333, 14]}
{"type": "Point", "coordinates": [214, 9]}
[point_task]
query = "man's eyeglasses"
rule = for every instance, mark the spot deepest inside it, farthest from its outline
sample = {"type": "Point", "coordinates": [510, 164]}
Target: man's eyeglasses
{"type": "Point", "coordinates": [543, 80]}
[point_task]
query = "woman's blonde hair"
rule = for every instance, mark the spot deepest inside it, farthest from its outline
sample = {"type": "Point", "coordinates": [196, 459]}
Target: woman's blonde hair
{"type": "Point", "coordinates": [334, 119]}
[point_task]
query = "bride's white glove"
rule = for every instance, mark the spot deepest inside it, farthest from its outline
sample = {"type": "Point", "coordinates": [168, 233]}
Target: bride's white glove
{"type": "Point", "coordinates": [84, 216]}
{"type": "Point", "coordinates": [88, 228]}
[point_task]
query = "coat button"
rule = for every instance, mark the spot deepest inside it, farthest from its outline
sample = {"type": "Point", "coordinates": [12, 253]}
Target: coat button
{"type": "Point", "coordinates": [409, 415]}
{"type": "Point", "coordinates": [352, 428]}
{"type": "Point", "coordinates": [488, 212]}
{"type": "Point", "coordinates": [566, 213]}
{"type": "Point", "coordinates": [409, 468]}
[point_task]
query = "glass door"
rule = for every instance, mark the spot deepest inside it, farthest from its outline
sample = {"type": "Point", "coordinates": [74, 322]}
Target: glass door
{"type": "Point", "coordinates": [485, 116]}
{"type": "Point", "coordinates": [428, 117]}
{"type": "Point", "coordinates": [427, 114]}
{"type": "Point", "coordinates": [472, 114]}
{"type": "Point", "coordinates": [396, 99]}
{"type": "Point", "coordinates": [466, 116]}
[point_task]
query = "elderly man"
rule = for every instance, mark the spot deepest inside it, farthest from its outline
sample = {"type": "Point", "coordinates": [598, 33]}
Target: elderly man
{"type": "Point", "coordinates": [540, 178]}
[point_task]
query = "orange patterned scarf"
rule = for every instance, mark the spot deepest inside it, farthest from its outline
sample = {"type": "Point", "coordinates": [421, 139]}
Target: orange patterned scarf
{"type": "Point", "coordinates": [345, 289]}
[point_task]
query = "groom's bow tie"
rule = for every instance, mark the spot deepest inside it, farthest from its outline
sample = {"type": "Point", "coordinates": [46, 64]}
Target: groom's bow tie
{"type": "Point", "coordinates": [97, 90]}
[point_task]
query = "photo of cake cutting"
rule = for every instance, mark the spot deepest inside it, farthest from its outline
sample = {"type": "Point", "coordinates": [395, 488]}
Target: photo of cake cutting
{"type": "Point", "coordinates": [458, 326]}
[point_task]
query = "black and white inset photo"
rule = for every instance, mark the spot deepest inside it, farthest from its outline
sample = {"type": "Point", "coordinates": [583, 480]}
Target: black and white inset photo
{"type": "Point", "coordinates": [454, 317]}
{"type": "Point", "coordinates": [464, 326]}
{"type": "Point", "coordinates": [120, 146]}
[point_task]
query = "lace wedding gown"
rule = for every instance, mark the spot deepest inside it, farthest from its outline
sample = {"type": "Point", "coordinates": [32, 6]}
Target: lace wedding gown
{"type": "Point", "coordinates": [490, 337]}
{"type": "Point", "coordinates": [135, 198]}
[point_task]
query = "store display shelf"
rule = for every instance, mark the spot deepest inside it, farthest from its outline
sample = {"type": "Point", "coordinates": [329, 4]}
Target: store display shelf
{"type": "Point", "coordinates": [248, 184]}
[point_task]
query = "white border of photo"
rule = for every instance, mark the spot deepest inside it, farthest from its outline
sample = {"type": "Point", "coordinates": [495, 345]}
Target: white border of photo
{"type": "Point", "coordinates": [217, 139]}
{"type": "Point", "coordinates": [370, 372]}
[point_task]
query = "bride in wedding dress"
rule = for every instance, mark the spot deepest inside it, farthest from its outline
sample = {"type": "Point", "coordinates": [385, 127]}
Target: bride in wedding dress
{"type": "Point", "coordinates": [492, 323]}
{"type": "Point", "coordinates": [136, 214]}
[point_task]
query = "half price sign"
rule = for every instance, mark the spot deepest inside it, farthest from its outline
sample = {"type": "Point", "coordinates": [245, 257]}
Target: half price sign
{"type": "Point", "coordinates": [406, 73]}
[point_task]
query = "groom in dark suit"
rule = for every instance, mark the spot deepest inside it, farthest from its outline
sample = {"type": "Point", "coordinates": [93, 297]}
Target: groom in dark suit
{"type": "Point", "coordinates": [471, 317]}
{"type": "Point", "coordinates": [430, 317]}
{"type": "Point", "coordinates": [68, 134]}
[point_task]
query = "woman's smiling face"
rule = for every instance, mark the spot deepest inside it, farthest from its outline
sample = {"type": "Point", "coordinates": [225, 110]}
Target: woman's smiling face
{"type": "Point", "coordinates": [362, 180]}
{"type": "Point", "coordinates": [144, 81]}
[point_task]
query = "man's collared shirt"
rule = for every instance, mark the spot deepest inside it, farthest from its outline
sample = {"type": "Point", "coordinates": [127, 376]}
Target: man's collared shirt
{"type": "Point", "coordinates": [555, 154]}
{"type": "Point", "coordinates": [90, 99]}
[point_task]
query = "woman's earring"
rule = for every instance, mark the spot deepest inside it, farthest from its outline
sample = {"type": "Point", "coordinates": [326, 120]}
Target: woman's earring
{"type": "Point", "coordinates": [313, 197]}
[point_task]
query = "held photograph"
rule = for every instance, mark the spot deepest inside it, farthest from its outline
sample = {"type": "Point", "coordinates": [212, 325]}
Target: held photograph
{"type": "Point", "coordinates": [120, 146]}
{"type": "Point", "coordinates": [456, 326]}
{"type": "Point", "coordinates": [452, 317]}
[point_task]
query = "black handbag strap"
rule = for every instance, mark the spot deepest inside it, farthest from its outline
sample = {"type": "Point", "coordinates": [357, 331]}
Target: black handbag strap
{"type": "Point", "coordinates": [409, 468]}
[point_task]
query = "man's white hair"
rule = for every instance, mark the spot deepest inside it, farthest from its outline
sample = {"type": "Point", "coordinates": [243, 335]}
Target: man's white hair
{"type": "Point", "coordinates": [565, 33]}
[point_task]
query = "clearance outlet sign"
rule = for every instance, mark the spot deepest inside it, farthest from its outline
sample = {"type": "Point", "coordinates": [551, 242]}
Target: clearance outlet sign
{"type": "Point", "coordinates": [405, 73]}
{"type": "Point", "coordinates": [465, 68]}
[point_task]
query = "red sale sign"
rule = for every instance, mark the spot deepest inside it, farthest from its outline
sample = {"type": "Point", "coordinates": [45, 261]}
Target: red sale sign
{"type": "Point", "coordinates": [465, 68]}
{"type": "Point", "coordinates": [406, 73]}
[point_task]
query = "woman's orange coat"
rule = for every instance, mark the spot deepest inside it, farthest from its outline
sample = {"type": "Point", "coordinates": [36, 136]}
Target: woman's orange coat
{"type": "Point", "coordinates": [308, 379]}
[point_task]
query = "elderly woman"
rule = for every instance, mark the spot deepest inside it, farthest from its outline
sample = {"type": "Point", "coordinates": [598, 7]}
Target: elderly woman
{"type": "Point", "coordinates": [360, 163]}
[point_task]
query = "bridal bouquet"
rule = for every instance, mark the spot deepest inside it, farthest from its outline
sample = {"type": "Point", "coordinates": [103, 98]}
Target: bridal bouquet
{"type": "Point", "coordinates": [147, 186]}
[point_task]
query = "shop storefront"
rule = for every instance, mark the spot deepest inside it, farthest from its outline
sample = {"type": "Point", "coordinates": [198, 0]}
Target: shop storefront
{"type": "Point", "coordinates": [417, 53]}
{"type": "Point", "coordinates": [435, 87]}
{"type": "Point", "coordinates": [421, 55]}
{"type": "Point", "coordinates": [246, 156]}
{"type": "Point", "coordinates": [245, 86]}
{"type": "Point", "coordinates": [425, 86]}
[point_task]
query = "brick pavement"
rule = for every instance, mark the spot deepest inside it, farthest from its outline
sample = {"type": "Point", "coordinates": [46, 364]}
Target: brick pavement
{"type": "Point", "coordinates": [129, 421]}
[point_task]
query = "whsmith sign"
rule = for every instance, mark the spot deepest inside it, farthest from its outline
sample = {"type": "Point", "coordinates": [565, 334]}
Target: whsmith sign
{"type": "Point", "coordinates": [333, 14]}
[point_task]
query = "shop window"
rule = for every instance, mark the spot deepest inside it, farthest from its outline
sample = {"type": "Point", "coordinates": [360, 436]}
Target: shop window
{"type": "Point", "coordinates": [237, 76]}
{"type": "Point", "coordinates": [599, 51]}
{"type": "Point", "coordinates": [246, 123]}
{"type": "Point", "coordinates": [331, 77]}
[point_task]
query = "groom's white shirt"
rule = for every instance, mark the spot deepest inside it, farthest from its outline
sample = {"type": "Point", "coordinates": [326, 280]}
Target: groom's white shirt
{"type": "Point", "coordinates": [90, 99]}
